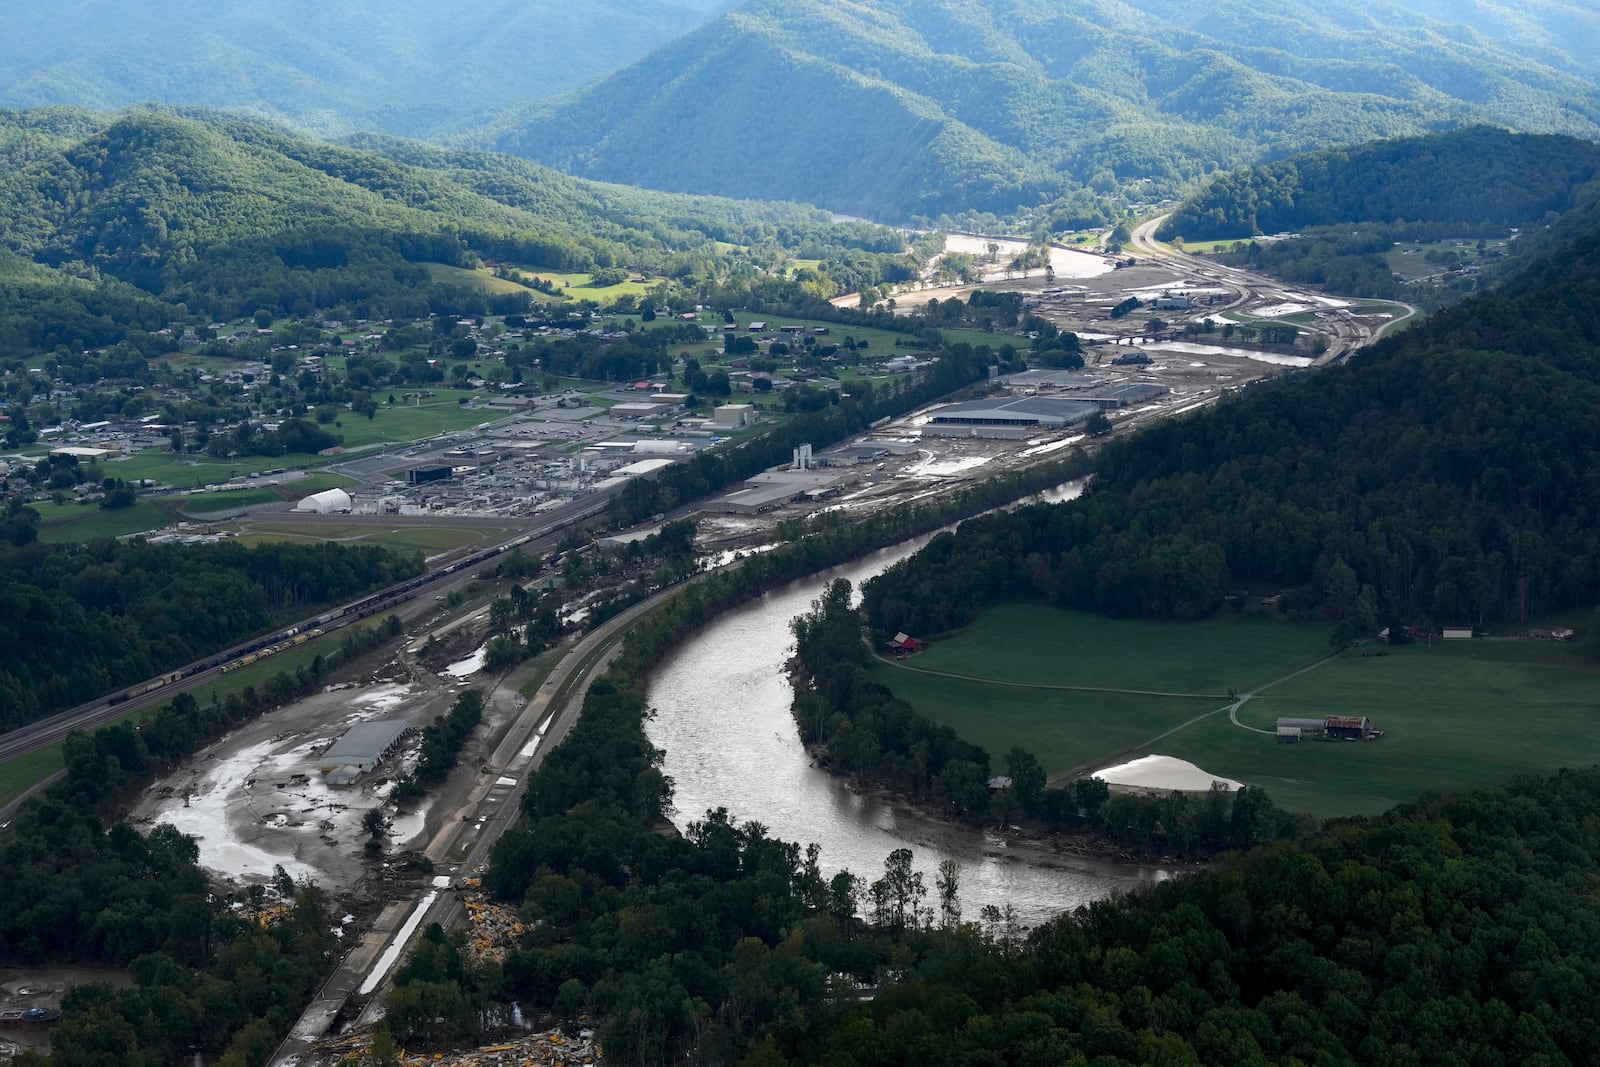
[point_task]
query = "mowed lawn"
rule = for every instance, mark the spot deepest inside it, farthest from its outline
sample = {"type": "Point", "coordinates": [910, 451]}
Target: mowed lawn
{"type": "Point", "coordinates": [1071, 733]}
{"type": "Point", "coordinates": [1455, 716]}
{"type": "Point", "coordinates": [1039, 644]}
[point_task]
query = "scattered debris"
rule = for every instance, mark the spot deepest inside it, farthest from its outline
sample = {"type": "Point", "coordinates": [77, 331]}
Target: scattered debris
{"type": "Point", "coordinates": [493, 927]}
{"type": "Point", "coordinates": [552, 1048]}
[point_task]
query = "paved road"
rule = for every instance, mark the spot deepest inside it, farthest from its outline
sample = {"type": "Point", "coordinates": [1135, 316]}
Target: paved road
{"type": "Point", "coordinates": [1348, 333]}
{"type": "Point", "coordinates": [463, 844]}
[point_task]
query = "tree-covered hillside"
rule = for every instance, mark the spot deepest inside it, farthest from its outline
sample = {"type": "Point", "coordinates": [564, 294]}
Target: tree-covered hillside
{"type": "Point", "coordinates": [407, 67]}
{"type": "Point", "coordinates": [1469, 179]}
{"type": "Point", "coordinates": [892, 108]}
{"type": "Point", "coordinates": [1448, 474]}
{"type": "Point", "coordinates": [108, 221]}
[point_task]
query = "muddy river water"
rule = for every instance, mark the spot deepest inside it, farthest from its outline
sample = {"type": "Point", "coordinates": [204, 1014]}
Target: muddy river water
{"type": "Point", "coordinates": [721, 705]}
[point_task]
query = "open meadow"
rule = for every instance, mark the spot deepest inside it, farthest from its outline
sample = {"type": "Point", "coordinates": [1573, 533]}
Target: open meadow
{"type": "Point", "coordinates": [1454, 716]}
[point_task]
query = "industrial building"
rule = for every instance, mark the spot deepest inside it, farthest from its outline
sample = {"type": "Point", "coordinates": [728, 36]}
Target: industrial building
{"type": "Point", "coordinates": [423, 475]}
{"type": "Point", "coordinates": [327, 502]}
{"type": "Point", "coordinates": [1017, 419]}
{"type": "Point", "coordinates": [361, 749]}
{"type": "Point", "coordinates": [733, 416]}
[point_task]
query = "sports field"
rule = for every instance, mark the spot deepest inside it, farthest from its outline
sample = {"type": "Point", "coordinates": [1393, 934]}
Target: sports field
{"type": "Point", "coordinates": [1455, 715]}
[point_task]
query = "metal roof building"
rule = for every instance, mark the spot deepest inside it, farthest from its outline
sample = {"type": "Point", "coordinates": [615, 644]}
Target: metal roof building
{"type": "Point", "coordinates": [1020, 417]}
{"type": "Point", "coordinates": [361, 749]}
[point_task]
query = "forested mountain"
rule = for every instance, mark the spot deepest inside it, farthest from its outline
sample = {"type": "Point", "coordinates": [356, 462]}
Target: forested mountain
{"type": "Point", "coordinates": [409, 67]}
{"type": "Point", "coordinates": [107, 220]}
{"type": "Point", "coordinates": [892, 108]}
{"type": "Point", "coordinates": [1473, 179]}
{"type": "Point", "coordinates": [1447, 474]}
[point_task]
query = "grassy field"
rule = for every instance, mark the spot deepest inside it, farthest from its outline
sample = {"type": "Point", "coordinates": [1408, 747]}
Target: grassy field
{"type": "Point", "coordinates": [1455, 715]}
{"type": "Point", "coordinates": [96, 523]}
{"type": "Point", "coordinates": [1071, 733]}
{"type": "Point", "coordinates": [425, 539]}
{"type": "Point", "coordinates": [443, 274]}
{"type": "Point", "coordinates": [25, 771]}
{"type": "Point", "coordinates": [1037, 644]}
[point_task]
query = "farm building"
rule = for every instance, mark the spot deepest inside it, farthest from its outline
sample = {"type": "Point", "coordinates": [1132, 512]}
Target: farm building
{"type": "Point", "coordinates": [361, 749]}
{"type": "Point", "coordinates": [1351, 727]}
{"type": "Point", "coordinates": [325, 503]}
{"type": "Point", "coordinates": [903, 644]}
{"type": "Point", "coordinates": [1334, 727]}
{"type": "Point", "coordinates": [1458, 633]}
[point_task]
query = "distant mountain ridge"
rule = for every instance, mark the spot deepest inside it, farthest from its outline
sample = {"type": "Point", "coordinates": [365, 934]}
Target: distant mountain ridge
{"type": "Point", "coordinates": [902, 108]}
{"type": "Point", "coordinates": [407, 67]}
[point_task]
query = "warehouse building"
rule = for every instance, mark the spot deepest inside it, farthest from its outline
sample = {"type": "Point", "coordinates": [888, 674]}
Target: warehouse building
{"type": "Point", "coordinates": [361, 749]}
{"type": "Point", "coordinates": [1013, 419]}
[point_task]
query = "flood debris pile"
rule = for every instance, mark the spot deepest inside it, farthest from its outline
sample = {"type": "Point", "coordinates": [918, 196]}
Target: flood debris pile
{"type": "Point", "coordinates": [552, 1048]}
{"type": "Point", "coordinates": [494, 928]}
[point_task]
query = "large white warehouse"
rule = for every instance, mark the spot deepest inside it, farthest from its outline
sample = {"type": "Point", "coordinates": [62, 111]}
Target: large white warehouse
{"type": "Point", "coordinates": [326, 502]}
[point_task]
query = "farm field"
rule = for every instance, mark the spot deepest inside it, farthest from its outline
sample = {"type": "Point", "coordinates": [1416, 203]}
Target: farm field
{"type": "Point", "coordinates": [95, 523]}
{"type": "Point", "coordinates": [1455, 715]}
{"type": "Point", "coordinates": [1038, 644]}
{"type": "Point", "coordinates": [425, 539]}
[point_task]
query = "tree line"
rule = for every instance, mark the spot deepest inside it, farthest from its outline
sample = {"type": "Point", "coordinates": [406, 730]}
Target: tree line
{"type": "Point", "coordinates": [84, 888]}
{"type": "Point", "coordinates": [82, 620]}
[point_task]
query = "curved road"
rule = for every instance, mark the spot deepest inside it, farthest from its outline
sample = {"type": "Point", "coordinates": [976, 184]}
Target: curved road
{"type": "Point", "coordinates": [1348, 331]}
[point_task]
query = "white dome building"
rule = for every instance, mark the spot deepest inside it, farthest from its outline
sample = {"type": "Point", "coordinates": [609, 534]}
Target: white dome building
{"type": "Point", "coordinates": [326, 502]}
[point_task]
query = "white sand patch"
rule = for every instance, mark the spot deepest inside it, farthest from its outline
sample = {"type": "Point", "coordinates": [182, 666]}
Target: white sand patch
{"type": "Point", "coordinates": [1188, 348]}
{"type": "Point", "coordinates": [940, 468]}
{"type": "Point", "coordinates": [1275, 311]}
{"type": "Point", "coordinates": [1054, 446]}
{"type": "Point", "coordinates": [1164, 773]}
{"type": "Point", "coordinates": [382, 696]}
{"type": "Point", "coordinates": [465, 668]}
{"type": "Point", "coordinates": [217, 795]}
{"type": "Point", "coordinates": [1067, 262]}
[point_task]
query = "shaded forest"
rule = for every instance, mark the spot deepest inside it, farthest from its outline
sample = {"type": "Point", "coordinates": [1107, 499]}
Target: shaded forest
{"type": "Point", "coordinates": [82, 620]}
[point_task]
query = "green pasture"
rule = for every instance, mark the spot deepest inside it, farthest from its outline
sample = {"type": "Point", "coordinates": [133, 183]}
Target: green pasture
{"type": "Point", "coordinates": [425, 539]}
{"type": "Point", "coordinates": [404, 422]}
{"type": "Point", "coordinates": [1071, 732]}
{"type": "Point", "coordinates": [1454, 716]}
{"type": "Point", "coordinates": [1035, 643]}
{"type": "Point", "coordinates": [96, 523]}
{"type": "Point", "coordinates": [443, 274]}
{"type": "Point", "coordinates": [192, 472]}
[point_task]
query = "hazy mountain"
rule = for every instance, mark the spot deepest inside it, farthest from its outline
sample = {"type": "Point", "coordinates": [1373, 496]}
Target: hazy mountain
{"type": "Point", "coordinates": [409, 66]}
{"type": "Point", "coordinates": [897, 107]}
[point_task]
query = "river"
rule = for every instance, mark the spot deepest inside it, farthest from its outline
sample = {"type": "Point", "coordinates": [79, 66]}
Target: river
{"type": "Point", "coordinates": [721, 704]}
